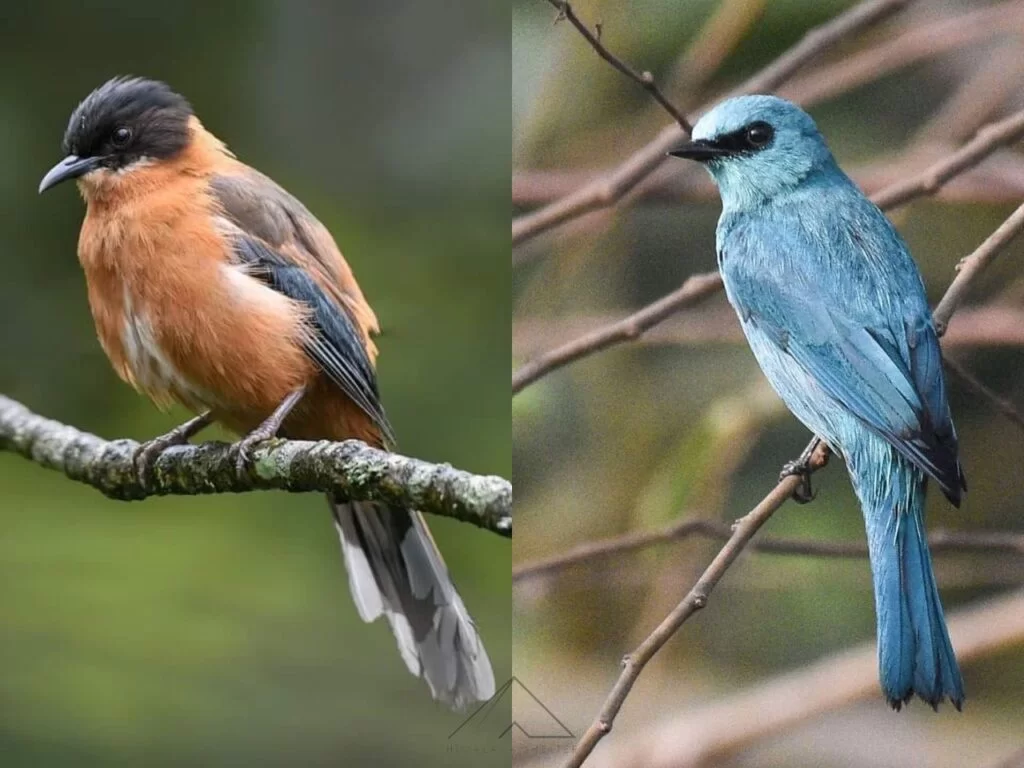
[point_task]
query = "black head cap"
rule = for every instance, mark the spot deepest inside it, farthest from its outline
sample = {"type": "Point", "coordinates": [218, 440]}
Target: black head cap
{"type": "Point", "coordinates": [126, 119]}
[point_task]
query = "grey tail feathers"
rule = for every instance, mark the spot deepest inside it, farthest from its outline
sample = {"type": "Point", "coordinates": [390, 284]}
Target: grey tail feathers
{"type": "Point", "coordinates": [395, 569]}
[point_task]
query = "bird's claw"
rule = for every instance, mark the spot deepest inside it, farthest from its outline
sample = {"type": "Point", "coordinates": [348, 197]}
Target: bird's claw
{"type": "Point", "coordinates": [242, 450]}
{"type": "Point", "coordinates": [800, 468]}
{"type": "Point", "coordinates": [145, 456]}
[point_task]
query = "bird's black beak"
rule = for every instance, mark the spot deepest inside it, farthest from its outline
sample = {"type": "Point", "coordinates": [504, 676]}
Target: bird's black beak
{"type": "Point", "coordinates": [699, 150]}
{"type": "Point", "coordinates": [71, 167]}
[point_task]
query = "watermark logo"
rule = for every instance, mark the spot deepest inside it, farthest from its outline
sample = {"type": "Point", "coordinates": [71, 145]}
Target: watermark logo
{"type": "Point", "coordinates": [530, 717]}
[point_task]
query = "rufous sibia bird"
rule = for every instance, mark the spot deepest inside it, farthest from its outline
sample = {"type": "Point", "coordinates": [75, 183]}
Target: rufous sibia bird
{"type": "Point", "coordinates": [213, 287]}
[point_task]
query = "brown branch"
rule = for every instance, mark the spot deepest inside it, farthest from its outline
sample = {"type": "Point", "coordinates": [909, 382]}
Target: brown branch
{"type": "Point", "coordinates": [970, 267]}
{"type": "Point", "coordinates": [940, 541]}
{"type": "Point", "coordinates": [351, 470]}
{"type": "Point", "coordinates": [985, 184]}
{"type": "Point", "coordinates": [985, 141]}
{"type": "Point", "coordinates": [696, 599]}
{"type": "Point", "coordinates": [715, 323]}
{"type": "Point", "coordinates": [695, 288]}
{"type": "Point", "coordinates": [644, 79]}
{"type": "Point", "coordinates": [711, 734]}
{"type": "Point", "coordinates": [606, 190]}
{"type": "Point", "coordinates": [970, 154]}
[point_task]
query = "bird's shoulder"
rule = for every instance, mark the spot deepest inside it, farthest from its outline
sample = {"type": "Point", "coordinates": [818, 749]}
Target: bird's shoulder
{"type": "Point", "coordinates": [832, 245]}
{"type": "Point", "coordinates": [263, 210]}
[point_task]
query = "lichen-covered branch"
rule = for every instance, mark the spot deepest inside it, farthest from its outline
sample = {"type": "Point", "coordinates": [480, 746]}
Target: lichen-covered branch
{"type": "Point", "coordinates": [352, 470]}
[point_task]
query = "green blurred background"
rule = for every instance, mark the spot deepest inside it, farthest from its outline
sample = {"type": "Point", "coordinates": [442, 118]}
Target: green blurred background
{"type": "Point", "coordinates": [220, 631]}
{"type": "Point", "coordinates": [635, 436]}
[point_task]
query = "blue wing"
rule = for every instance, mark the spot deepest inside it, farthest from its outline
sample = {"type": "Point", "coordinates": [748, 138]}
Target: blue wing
{"type": "Point", "coordinates": [845, 303]}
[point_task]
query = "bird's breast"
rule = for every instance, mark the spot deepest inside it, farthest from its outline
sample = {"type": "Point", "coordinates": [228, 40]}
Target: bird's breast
{"type": "Point", "coordinates": [178, 321]}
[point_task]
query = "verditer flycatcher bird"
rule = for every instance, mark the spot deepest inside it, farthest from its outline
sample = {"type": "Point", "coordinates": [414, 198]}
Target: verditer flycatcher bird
{"type": "Point", "coordinates": [835, 312]}
{"type": "Point", "coordinates": [213, 287]}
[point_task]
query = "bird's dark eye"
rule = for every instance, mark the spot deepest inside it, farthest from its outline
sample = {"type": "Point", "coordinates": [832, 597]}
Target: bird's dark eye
{"type": "Point", "coordinates": [759, 134]}
{"type": "Point", "coordinates": [121, 136]}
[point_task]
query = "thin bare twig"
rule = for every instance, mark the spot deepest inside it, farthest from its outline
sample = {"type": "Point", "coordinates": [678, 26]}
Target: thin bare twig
{"type": "Point", "coordinates": [711, 734]}
{"type": "Point", "coordinates": [939, 541]}
{"type": "Point", "coordinates": [695, 288]}
{"type": "Point", "coordinates": [985, 141]}
{"type": "Point", "coordinates": [970, 267]}
{"type": "Point", "coordinates": [715, 323]}
{"type": "Point", "coordinates": [697, 598]}
{"type": "Point", "coordinates": [970, 154]}
{"type": "Point", "coordinates": [985, 184]}
{"type": "Point", "coordinates": [644, 79]}
{"type": "Point", "coordinates": [606, 190]}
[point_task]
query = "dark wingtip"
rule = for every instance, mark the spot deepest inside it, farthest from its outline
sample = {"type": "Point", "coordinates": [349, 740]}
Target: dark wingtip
{"type": "Point", "coordinates": [898, 703]}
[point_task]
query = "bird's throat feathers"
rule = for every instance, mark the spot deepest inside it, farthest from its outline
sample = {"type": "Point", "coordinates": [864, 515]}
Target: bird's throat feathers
{"type": "Point", "coordinates": [751, 182]}
{"type": "Point", "coordinates": [203, 155]}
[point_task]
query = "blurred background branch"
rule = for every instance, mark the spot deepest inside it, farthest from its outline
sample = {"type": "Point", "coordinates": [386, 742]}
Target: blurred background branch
{"type": "Point", "coordinates": [352, 470]}
{"type": "Point", "coordinates": [705, 735]}
{"type": "Point", "coordinates": [940, 542]}
{"type": "Point", "coordinates": [614, 184]}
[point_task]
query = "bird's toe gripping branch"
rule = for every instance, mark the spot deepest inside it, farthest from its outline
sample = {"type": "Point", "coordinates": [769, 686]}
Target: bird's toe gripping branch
{"type": "Point", "coordinates": [814, 457]}
{"type": "Point", "coordinates": [147, 453]}
{"type": "Point", "coordinates": [243, 448]}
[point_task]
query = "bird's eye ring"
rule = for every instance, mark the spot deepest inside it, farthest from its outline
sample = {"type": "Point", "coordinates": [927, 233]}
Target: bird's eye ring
{"type": "Point", "coordinates": [121, 136]}
{"type": "Point", "coordinates": [759, 134]}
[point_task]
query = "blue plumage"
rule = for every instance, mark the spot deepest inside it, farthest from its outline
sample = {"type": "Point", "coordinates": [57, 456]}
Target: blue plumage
{"type": "Point", "coordinates": [836, 314]}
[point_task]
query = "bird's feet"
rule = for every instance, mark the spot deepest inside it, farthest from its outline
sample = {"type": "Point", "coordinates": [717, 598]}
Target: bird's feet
{"type": "Point", "coordinates": [147, 453]}
{"type": "Point", "coordinates": [268, 429]}
{"type": "Point", "coordinates": [242, 450]}
{"type": "Point", "coordinates": [814, 457]}
{"type": "Point", "coordinates": [803, 493]}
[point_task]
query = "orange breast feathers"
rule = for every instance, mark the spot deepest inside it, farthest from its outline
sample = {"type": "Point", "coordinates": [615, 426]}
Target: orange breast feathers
{"type": "Point", "coordinates": [183, 318]}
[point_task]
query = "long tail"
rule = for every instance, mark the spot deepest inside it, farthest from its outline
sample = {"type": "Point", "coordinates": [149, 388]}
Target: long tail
{"type": "Point", "coordinates": [394, 568]}
{"type": "Point", "coordinates": [914, 651]}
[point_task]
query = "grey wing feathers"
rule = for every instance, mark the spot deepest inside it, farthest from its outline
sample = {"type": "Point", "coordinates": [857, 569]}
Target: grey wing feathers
{"type": "Point", "coordinates": [261, 208]}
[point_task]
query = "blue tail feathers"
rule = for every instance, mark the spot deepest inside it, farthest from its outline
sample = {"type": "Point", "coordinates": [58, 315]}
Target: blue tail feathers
{"type": "Point", "coordinates": [915, 655]}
